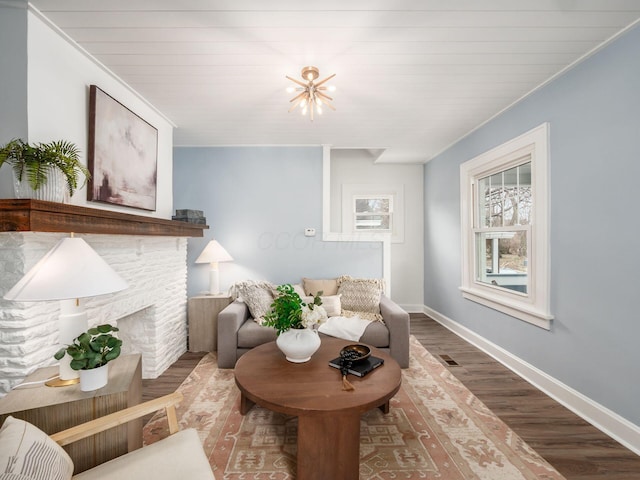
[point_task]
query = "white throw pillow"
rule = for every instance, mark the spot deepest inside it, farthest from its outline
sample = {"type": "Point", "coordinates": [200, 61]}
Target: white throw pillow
{"type": "Point", "coordinates": [331, 304]}
{"type": "Point", "coordinates": [27, 453]}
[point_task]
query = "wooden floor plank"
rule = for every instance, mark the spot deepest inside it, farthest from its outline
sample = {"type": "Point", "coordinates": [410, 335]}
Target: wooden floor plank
{"type": "Point", "coordinates": [575, 448]}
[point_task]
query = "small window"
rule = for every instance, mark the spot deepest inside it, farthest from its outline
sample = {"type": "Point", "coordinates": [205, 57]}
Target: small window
{"type": "Point", "coordinates": [504, 212]}
{"type": "Point", "coordinates": [373, 213]}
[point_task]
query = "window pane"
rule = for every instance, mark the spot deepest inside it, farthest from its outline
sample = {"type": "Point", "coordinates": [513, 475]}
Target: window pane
{"type": "Point", "coordinates": [495, 198]}
{"type": "Point", "coordinates": [524, 194]}
{"type": "Point", "coordinates": [484, 203]}
{"type": "Point", "coordinates": [504, 199]}
{"type": "Point", "coordinates": [510, 196]}
{"type": "Point", "coordinates": [373, 222]}
{"type": "Point", "coordinates": [372, 205]}
{"type": "Point", "coordinates": [502, 259]}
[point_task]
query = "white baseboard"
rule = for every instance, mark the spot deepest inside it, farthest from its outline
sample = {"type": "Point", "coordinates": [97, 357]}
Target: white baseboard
{"type": "Point", "coordinates": [609, 422]}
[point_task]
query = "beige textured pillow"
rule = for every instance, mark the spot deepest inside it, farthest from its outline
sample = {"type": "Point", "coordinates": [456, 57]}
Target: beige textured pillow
{"type": "Point", "coordinates": [327, 286]}
{"type": "Point", "coordinates": [28, 453]}
{"type": "Point", "coordinates": [361, 295]}
{"type": "Point", "coordinates": [330, 303]}
{"type": "Point", "coordinates": [258, 297]}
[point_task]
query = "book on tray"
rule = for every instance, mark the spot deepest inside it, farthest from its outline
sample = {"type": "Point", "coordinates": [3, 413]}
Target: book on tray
{"type": "Point", "coordinates": [360, 369]}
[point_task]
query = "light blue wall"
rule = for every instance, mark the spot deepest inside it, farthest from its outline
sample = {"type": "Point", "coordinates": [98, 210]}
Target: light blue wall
{"type": "Point", "coordinates": [594, 113]}
{"type": "Point", "coordinates": [13, 81]}
{"type": "Point", "coordinates": [258, 201]}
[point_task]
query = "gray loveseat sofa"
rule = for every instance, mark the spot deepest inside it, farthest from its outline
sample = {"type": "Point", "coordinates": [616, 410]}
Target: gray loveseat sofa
{"type": "Point", "coordinates": [238, 333]}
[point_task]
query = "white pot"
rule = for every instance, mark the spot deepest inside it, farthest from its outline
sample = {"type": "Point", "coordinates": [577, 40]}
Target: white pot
{"type": "Point", "coordinates": [94, 379]}
{"type": "Point", "coordinates": [298, 344]}
{"type": "Point", "coordinates": [52, 191]}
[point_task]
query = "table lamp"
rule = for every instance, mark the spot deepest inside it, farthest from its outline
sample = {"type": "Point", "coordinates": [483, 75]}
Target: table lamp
{"type": "Point", "coordinates": [212, 254]}
{"type": "Point", "coordinates": [69, 272]}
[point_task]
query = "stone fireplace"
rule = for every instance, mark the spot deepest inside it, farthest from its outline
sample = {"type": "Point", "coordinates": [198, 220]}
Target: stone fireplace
{"type": "Point", "coordinates": [151, 313]}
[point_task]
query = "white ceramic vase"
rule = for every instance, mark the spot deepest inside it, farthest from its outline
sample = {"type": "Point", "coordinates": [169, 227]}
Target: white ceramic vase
{"type": "Point", "coordinates": [94, 379]}
{"type": "Point", "coordinates": [52, 191]}
{"type": "Point", "coordinates": [298, 345]}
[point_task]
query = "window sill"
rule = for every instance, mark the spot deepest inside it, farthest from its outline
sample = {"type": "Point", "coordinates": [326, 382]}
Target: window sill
{"type": "Point", "coordinates": [520, 310]}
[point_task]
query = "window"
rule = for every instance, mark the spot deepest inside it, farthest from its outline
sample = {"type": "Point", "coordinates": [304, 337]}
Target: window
{"type": "Point", "coordinates": [373, 213]}
{"type": "Point", "coordinates": [372, 208]}
{"type": "Point", "coordinates": [502, 232]}
{"type": "Point", "coordinates": [504, 203]}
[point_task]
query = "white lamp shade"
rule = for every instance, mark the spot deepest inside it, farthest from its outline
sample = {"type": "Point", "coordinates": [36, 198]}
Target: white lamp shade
{"type": "Point", "coordinates": [71, 269]}
{"type": "Point", "coordinates": [214, 252]}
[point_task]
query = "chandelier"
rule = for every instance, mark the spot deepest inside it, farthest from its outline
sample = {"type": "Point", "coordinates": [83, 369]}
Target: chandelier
{"type": "Point", "coordinates": [312, 95]}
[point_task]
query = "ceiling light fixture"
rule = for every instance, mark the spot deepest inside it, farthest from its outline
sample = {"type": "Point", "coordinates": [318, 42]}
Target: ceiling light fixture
{"type": "Point", "coordinates": [311, 96]}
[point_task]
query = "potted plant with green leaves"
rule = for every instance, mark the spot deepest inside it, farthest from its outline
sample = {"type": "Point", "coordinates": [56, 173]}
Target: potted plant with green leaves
{"type": "Point", "coordinates": [296, 323]}
{"type": "Point", "coordinates": [44, 170]}
{"type": "Point", "coordinates": [90, 353]}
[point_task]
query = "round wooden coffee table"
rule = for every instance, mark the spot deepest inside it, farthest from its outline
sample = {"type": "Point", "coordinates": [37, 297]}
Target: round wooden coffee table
{"type": "Point", "coordinates": [328, 417]}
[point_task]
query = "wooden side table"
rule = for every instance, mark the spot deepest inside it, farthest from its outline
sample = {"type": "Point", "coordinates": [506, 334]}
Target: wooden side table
{"type": "Point", "coordinates": [53, 409]}
{"type": "Point", "coordinates": [202, 312]}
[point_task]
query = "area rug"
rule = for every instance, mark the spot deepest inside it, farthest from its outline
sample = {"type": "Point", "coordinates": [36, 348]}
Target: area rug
{"type": "Point", "coordinates": [436, 429]}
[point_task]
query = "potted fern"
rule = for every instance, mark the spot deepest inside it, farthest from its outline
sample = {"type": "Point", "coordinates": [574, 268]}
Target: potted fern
{"type": "Point", "coordinates": [44, 170]}
{"type": "Point", "coordinates": [90, 354]}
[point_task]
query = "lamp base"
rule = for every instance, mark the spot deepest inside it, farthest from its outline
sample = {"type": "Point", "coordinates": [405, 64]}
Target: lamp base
{"type": "Point", "coordinates": [214, 280]}
{"type": "Point", "coordinates": [58, 382]}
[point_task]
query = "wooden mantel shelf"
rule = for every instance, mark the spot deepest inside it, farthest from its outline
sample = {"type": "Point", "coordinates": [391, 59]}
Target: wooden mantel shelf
{"type": "Point", "coordinates": [26, 215]}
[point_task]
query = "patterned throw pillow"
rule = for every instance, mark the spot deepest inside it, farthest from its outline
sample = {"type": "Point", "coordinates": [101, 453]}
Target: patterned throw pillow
{"type": "Point", "coordinates": [361, 296]}
{"type": "Point", "coordinates": [27, 453]}
{"type": "Point", "coordinates": [257, 296]}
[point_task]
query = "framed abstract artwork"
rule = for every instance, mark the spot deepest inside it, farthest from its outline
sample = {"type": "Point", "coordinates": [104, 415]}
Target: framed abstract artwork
{"type": "Point", "coordinates": [122, 156]}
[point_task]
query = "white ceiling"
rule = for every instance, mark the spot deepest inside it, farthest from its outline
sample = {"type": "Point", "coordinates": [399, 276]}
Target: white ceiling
{"type": "Point", "coordinates": [412, 76]}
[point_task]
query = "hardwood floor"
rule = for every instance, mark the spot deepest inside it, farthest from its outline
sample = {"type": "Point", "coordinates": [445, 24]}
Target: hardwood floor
{"type": "Point", "coordinates": [576, 449]}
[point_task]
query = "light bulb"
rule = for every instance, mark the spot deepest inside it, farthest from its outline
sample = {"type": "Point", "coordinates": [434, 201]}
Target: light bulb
{"type": "Point", "coordinates": [290, 89]}
{"type": "Point", "coordinates": [304, 111]}
{"type": "Point", "coordinates": [332, 88]}
{"type": "Point", "coordinates": [319, 100]}
{"type": "Point", "coordinates": [303, 103]}
{"type": "Point", "coordinates": [319, 110]}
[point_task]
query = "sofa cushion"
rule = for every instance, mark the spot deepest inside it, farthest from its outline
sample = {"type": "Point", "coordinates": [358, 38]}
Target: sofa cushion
{"type": "Point", "coordinates": [257, 296]}
{"type": "Point", "coordinates": [361, 295]}
{"type": "Point", "coordinates": [177, 457]}
{"type": "Point", "coordinates": [251, 334]}
{"type": "Point", "coordinates": [27, 453]}
{"type": "Point", "coordinates": [376, 334]}
{"type": "Point", "coordinates": [326, 286]}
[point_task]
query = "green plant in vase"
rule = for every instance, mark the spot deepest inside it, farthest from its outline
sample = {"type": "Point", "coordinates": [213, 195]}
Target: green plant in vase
{"type": "Point", "coordinates": [92, 349]}
{"type": "Point", "coordinates": [37, 162]}
{"type": "Point", "coordinates": [289, 311]}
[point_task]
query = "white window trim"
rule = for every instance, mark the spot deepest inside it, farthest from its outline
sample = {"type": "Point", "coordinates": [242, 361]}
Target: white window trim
{"type": "Point", "coordinates": [534, 307]}
{"type": "Point", "coordinates": [395, 190]}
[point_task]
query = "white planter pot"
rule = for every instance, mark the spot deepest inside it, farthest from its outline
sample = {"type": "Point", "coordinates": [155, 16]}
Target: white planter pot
{"type": "Point", "coordinates": [298, 344]}
{"type": "Point", "coordinates": [94, 379]}
{"type": "Point", "coordinates": [52, 191]}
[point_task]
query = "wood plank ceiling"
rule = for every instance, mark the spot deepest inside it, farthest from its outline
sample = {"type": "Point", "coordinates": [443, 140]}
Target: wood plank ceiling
{"type": "Point", "coordinates": [412, 76]}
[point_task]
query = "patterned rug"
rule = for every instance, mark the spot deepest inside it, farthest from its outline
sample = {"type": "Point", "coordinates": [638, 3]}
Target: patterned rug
{"type": "Point", "coordinates": [436, 429]}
